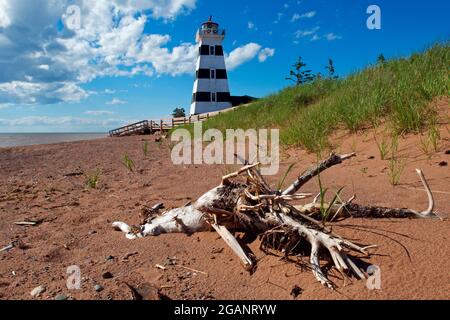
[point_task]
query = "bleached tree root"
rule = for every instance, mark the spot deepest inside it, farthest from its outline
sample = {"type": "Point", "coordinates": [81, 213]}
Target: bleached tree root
{"type": "Point", "coordinates": [254, 207]}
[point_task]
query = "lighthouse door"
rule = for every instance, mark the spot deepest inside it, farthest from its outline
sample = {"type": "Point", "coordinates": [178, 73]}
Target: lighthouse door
{"type": "Point", "coordinates": [213, 88]}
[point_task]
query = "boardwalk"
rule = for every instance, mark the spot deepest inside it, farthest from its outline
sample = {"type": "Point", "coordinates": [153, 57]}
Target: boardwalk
{"type": "Point", "coordinates": [161, 125]}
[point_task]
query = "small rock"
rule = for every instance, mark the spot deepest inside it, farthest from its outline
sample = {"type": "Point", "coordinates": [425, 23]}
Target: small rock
{"type": "Point", "coordinates": [36, 292]}
{"type": "Point", "coordinates": [92, 232]}
{"type": "Point", "coordinates": [296, 291]}
{"type": "Point", "coordinates": [98, 288]}
{"type": "Point", "coordinates": [61, 297]}
{"type": "Point", "coordinates": [109, 258]}
{"type": "Point", "coordinates": [217, 250]}
{"type": "Point", "coordinates": [447, 152]}
{"type": "Point", "coordinates": [370, 157]}
{"type": "Point", "coordinates": [443, 163]}
{"type": "Point", "coordinates": [107, 275]}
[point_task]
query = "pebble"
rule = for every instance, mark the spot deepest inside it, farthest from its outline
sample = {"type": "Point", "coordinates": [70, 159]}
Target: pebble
{"type": "Point", "coordinates": [61, 297]}
{"type": "Point", "coordinates": [36, 292]}
{"type": "Point", "coordinates": [109, 258]}
{"type": "Point", "coordinates": [98, 288]}
{"type": "Point", "coordinates": [442, 163]}
{"type": "Point", "coordinates": [107, 275]}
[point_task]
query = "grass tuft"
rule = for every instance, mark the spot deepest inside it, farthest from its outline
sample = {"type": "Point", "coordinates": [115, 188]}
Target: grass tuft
{"type": "Point", "coordinates": [128, 163]}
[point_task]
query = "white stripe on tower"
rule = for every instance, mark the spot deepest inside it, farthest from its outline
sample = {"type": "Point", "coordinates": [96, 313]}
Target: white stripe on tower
{"type": "Point", "coordinates": [211, 91]}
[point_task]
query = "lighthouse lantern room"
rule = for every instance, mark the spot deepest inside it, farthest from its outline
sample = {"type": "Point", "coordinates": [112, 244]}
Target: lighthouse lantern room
{"type": "Point", "coordinates": [211, 92]}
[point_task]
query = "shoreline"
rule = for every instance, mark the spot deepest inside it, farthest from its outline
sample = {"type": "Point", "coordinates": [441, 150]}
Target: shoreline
{"type": "Point", "coordinates": [11, 140]}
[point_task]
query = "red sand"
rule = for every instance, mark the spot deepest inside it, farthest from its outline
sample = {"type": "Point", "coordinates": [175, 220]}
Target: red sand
{"type": "Point", "coordinates": [413, 254]}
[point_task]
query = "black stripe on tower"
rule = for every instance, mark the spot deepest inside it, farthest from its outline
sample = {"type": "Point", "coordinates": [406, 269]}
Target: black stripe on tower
{"type": "Point", "coordinates": [202, 96]}
{"type": "Point", "coordinates": [206, 50]}
{"type": "Point", "coordinates": [206, 74]}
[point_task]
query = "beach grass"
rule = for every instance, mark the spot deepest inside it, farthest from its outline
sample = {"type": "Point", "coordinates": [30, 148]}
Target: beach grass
{"type": "Point", "coordinates": [398, 92]}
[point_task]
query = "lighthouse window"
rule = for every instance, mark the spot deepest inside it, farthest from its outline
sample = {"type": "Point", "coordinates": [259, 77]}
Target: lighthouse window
{"type": "Point", "coordinates": [213, 73]}
{"type": "Point", "coordinates": [203, 74]}
{"type": "Point", "coordinates": [204, 50]}
{"type": "Point", "coordinates": [221, 74]}
{"type": "Point", "coordinates": [213, 96]}
{"type": "Point", "coordinates": [201, 96]}
{"type": "Point", "coordinates": [219, 51]}
{"type": "Point", "coordinates": [212, 50]}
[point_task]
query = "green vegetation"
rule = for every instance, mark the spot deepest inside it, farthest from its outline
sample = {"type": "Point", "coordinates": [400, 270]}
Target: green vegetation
{"type": "Point", "coordinates": [128, 163]}
{"type": "Point", "coordinates": [396, 165]}
{"type": "Point", "coordinates": [382, 144]}
{"type": "Point", "coordinates": [92, 180]}
{"type": "Point", "coordinates": [145, 148]}
{"type": "Point", "coordinates": [179, 113]}
{"type": "Point", "coordinates": [325, 208]}
{"type": "Point", "coordinates": [398, 92]}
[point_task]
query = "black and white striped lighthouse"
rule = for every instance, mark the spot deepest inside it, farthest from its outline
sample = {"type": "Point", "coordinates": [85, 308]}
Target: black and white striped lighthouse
{"type": "Point", "coordinates": [211, 91]}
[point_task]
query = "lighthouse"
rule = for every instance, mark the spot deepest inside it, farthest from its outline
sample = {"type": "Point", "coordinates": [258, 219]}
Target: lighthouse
{"type": "Point", "coordinates": [211, 92]}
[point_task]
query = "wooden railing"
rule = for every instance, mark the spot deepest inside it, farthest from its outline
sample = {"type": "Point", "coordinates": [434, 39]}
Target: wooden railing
{"type": "Point", "coordinates": [141, 127]}
{"type": "Point", "coordinates": [152, 126]}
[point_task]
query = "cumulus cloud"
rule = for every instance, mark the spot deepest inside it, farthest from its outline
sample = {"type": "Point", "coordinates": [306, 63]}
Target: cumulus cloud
{"type": "Point", "coordinates": [246, 53]}
{"type": "Point", "coordinates": [117, 101]}
{"type": "Point", "coordinates": [241, 55]}
{"type": "Point", "coordinates": [265, 53]}
{"type": "Point", "coordinates": [44, 61]}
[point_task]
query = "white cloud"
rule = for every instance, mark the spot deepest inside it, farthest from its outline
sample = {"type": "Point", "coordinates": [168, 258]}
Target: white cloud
{"type": "Point", "coordinates": [315, 38]}
{"type": "Point", "coordinates": [306, 15]}
{"type": "Point", "coordinates": [31, 93]}
{"type": "Point", "coordinates": [4, 18]}
{"type": "Point", "coordinates": [41, 64]}
{"type": "Point", "coordinates": [99, 113]}
{"type": "Point", "coordinates": [265, 53]}
{"type": "Point", "coordinates": [295, 17]}
{"type": "Point", "coordinates": [246, 53]}
{"type": "Point", "coordinates": [241, 55]}
{"type": "Point", "coordinates": [116, 101]}
{"type": "Point", "coordinates": [331, 36]}
{"type": "Point", "coordinates": [251, 26]}
{"type": "Point", "coordinates": [305, 33]}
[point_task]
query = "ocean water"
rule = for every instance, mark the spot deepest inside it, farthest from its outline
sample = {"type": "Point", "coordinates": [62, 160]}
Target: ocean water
{"type": "Point", "coordinates": [28, 139]}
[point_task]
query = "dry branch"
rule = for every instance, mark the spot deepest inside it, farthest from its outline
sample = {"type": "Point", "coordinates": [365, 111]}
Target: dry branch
{"type": "Point", "coordinates": [254, 207]}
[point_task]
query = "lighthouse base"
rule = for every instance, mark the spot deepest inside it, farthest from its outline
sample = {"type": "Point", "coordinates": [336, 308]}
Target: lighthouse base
{"type": "Point", "coordinates": [206, 107]}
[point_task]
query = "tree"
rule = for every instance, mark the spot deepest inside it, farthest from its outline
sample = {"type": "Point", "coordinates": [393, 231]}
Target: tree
{"type": "Point", "coordinates": [298, 75]}
{"type": "Point", "coordinates": [179, 113]}
{"type": "Point", "coordinates": [331, 69]}
{"type": "Point", "coordinates": [381, 59]}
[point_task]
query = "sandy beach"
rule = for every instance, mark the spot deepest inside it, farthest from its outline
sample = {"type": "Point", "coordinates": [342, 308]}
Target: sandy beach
{"type": "Point", "coordinates": [46, 183]}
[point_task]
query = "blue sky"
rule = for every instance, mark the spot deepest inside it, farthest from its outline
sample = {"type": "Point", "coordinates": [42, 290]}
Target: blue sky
{"type": "Point", "coordinates": [134, 60]}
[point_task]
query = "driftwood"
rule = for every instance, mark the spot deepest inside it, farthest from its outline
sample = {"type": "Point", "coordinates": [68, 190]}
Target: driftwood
{"type": "Point", "coordinates": [252, 206]}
